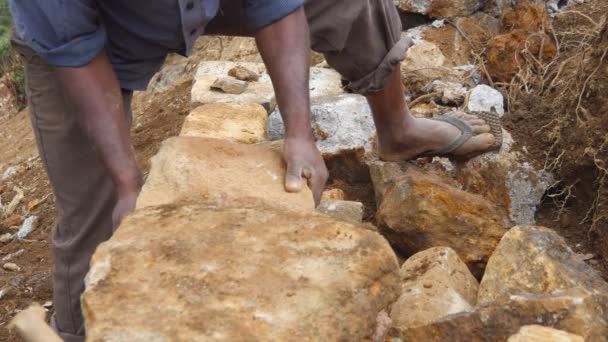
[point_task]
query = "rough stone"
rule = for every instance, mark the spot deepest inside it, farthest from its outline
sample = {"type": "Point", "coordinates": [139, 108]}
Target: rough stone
{"type": "Point", "coordinates": [10, 266]}
{"type": "Point", "coordinates": [248, 272]}
{"type": "Point", "coordinates": [229, 85]}
{"type": "Point", "coordinates": [425, 63]}
{"type": "Point", "coordinates": [504, 52]}
{"type": "Point", "coordinates": [435, 283]}
{"type": "Point", "coordinates": [333, 194]}
{"type": "Point", "coordinates": [340, 123]}
{"type": "Point", "coordinates": [578, 313]}
{"type": "Point", "coordinates": [440, 8]}
{"type": "Point", "coordinates": [187, 167]}
{"type": "Point", "coordinates": [505, 179]}
{"type": "Point", "coordinates": [420, 210]}
{"type": "Point", "coordinates": [449, 92]}
{"type": "Point", "coordinates": [168, 76]}
{"type": "Point", "coordinates": [323, 82]}
{"type": "Point", "coordinates": [241, 73]}
{"type": "Point", "coordinates": [483, 98]}
{"type": "Point", "coordinates": [539, 333]}
{"type": "Point", "coordinates": [342, 210]}
{"type": "Point", "coordinates": [244, 123]}
{"type": "Point", "coordinates": [536, 260]}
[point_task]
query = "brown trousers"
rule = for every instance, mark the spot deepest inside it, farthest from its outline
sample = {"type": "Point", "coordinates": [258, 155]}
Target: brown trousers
{"type": "Point", "coordinates": [359, 38]}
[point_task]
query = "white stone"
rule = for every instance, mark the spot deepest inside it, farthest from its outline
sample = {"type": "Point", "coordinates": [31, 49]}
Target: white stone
{"type": "Point", "coordinates": [323, 82]}
{"type": "Point", "coordinates": [29, 224]}
{"type": "Point", "coordinates": [486, 99]}
{"type": "Point", "coordinates": [340, 123]}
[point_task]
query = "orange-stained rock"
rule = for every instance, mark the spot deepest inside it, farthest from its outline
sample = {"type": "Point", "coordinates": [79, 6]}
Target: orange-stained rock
{"type": "Point", "coordinates": [244, 123]}
{"type": "Point", "coordinates": [333, 194]}
{"type": "Point", "coordinates": [420, 210]}
{"type": "Point", "coordinates": [435, 283]}
{"type": "Point", "coordinates": [532, 17]}
{"type": "Point", "coordinates": [196, 272]}
{"type": "Point", "coordinates": [505, 52]}
{"type": "Point", "coordinates": [536, 260]}
{"type": "Point", "coordinates": [187, 167]}
{"type": "Point", "coordinates": [578, 313]}
{"type": "Point", "coordinates": [538, 333]}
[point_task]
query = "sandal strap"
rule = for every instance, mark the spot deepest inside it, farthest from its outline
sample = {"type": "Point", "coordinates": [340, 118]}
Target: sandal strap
{"type": "Point", "coordinates": [466, 135]}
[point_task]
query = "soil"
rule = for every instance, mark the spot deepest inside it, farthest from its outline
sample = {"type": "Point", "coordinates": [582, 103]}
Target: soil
{"type": "Point", "coordinates": [568, 137]}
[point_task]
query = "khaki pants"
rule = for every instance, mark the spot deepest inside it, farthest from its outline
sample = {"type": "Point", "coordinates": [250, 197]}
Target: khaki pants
{"type": "Point", "coordinates": [360, 39]}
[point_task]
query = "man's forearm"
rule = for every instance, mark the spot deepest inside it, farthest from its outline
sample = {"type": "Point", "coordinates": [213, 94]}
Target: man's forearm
{"type": "Point", "coordinates": [285, 48]}
{"type": "Point", "coordinates": [94, 92]}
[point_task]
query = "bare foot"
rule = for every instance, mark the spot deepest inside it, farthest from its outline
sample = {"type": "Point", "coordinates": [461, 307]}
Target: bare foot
{"type": "Point", "coordinates": [422, 135]}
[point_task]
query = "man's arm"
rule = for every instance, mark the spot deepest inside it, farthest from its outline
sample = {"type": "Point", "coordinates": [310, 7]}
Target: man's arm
{"type": "Point", "coordinates": [285, 49]}
{"type": "Point", "coordinates": [94, 91]}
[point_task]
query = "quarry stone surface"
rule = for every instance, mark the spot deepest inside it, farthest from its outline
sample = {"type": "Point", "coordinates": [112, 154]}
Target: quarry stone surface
{"type": "Point", "coordinates": [420, 210]}
{"type": "Point", "coordinates": [350, 211]}
{"type": "Point", "coordinates": [244, 123]}
{"type": "Point", "coordinates": [539, 333]}
{"type": "Point", "coordinates": [323, 82]}
{"type": "Point", "coordinates": [577, 313]}
{"type": "Point", "coordinates": [435, 283]}
{"type": "Point", "coordinates": [484, 98]}
{"type": "Point", "coordinates": [508, 181]}
{"type": "Point", "coordinates": [195, 272]}
{"type": "Point", "coordinates": [340, 123]}
{"type": "Point", "coordinates": [536, 260]}
{"type": "Point", "coordinates": [193, 168]}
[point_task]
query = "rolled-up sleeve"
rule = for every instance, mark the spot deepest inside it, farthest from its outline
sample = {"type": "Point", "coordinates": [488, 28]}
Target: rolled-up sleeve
{"type": "Point", "coordinates": [261, 13]}
{"type": "Point", "coordinates": [65, 33]}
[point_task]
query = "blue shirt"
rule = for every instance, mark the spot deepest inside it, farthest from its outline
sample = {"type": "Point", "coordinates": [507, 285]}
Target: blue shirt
{"type": "Point", "coordinates": [138, 34]}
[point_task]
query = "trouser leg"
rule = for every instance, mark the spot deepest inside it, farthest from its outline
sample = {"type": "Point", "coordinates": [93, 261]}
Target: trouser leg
{"type": "Point", "coordinates": [83, 189]}
{"type": "Point", "coordinates": [361, 39]}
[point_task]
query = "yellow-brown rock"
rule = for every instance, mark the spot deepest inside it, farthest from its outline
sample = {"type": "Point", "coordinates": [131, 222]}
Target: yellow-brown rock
{"type": "Point", "coordinates": [196, 272]}
{"type": "Point", "coordinates": [350, 211]}
{"type": "Point", "coordinates": [192, 168]}
{"type": "Point", "coordinates": [333, 194]}
{"type": "Point", "coordinates": [578, 313]}
{"type": "Point", "coordinates": [244, 123]}
{"type": "Point", "coordinates": [435, 283]}
{"type": "Point", "coordinates": [538, 333]}
{"type": "Point", "coordinates": [536, 260]}
{"type": "Point", "coordinates": [420, 210]}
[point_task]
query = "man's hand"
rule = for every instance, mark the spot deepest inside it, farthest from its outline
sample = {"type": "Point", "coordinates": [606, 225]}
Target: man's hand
{"type": "Point", "coordinates": [126, 198]}
{"type": "Point", "coordinates": [304, 160]}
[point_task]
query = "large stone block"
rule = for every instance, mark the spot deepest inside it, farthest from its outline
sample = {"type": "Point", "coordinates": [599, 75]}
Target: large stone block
{"type": "Point", "coordinates": [323, 82]}
{"type": "Point", "coordinates": [420, 210]}
{"type": "Point", "coordinates": [193, 168]}
{"type": "Point", "coordinates": [196, 272]}
{"type": "Point", "coordinates": [508, 181]}
{"type": "Point", "coordinates": [244, 123]}
{"type": "Point", "coordinates": [538, 333]}
{"type": "Point", "coordinates": [536, 260]}
{"type": "Point", "coordinates": [577, 313]}
{"type": "Point", "coordinates": [435, 284]}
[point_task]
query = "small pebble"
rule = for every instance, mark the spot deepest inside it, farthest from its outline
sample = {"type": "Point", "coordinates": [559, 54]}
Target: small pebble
{"type": "Point", "coordinates": [48, 304]}
{"type": "Point", "coordinates": [427, 285]}
{"type": "Point", "coordinates": [4, 238]}
{"type": "Point", "coordinates": [9, 266]}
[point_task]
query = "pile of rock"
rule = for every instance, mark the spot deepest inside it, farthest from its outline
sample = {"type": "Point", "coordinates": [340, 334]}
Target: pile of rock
{"type": "Point", "coordinates": [217, 250]}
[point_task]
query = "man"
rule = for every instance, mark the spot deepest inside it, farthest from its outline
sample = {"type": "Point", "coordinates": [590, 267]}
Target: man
{"type": "Point", "coordinates": [84, 58]}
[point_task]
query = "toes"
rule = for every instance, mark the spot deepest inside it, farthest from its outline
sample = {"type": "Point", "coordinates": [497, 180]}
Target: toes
{"type": "Point", "coordinates": [480, 129]}
{"type": "Point", "coordinates": [477, 143]}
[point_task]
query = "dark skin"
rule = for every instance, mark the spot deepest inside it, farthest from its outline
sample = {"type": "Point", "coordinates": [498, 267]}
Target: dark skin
{"type": "Point", "coordinates": [285, 48]}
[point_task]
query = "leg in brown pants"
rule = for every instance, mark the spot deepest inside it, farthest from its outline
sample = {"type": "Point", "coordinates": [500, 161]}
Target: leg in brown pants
{"type": "Point", "coordinates": [84, 192]}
